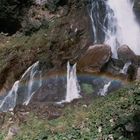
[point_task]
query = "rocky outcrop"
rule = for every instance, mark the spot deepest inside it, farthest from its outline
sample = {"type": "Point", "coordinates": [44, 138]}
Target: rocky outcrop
{"type": "Point", "coordinates": [125, 66]}
{"type": "Point", "coordinates": [125, 54]}
{"type": "Point", "coordinates": [98, 59]}
{"type": "Point", "coordinates": [95, 58]}
{"type": "Point", "coordinates": [63, 39]}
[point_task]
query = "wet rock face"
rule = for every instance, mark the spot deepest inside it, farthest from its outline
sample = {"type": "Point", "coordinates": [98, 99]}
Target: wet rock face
{"type": "Point", "coordinates": [99, 12]}
{"type": "Point", "coordinates": [113, 66]}
{"type": "Point", "coordinates": [125, 54]}
{"type": "Point", "coordinates": [53, 90]}
{"type": "Point", "coordinates": [125, 66]}
{"type": "Point", "coordinates": [137, 9]}
{"type": "Point", "coordinates": [94, 58]}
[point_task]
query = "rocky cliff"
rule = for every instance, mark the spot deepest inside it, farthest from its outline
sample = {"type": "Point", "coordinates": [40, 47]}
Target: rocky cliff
{"type": "Point", "coordinates": [52, 32]}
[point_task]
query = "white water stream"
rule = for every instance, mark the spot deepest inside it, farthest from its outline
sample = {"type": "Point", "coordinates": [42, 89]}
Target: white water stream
{"type": "Point", "coordinates": [119, 24]}
{"type": "Point", "coordinates": [125, 68]}
{"type": "Point", "coordinates": [10, 100]}
{"type": "Point", "coordinates": [104, 90]}
{"type": "Point", "coordinates": [73, 87]}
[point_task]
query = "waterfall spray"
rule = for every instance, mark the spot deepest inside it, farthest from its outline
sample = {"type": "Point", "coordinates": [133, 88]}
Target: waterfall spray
{"type": "Point", "coordinates": [32, 71]}
{"type": "Point", "coordinates": [10, 101]}
{"type": "Point", "coordinates": [118, 25]}
{"type": "Point", "coordinates": [73, 87]}
{"type": "Point", "coordinates": [104, 90]}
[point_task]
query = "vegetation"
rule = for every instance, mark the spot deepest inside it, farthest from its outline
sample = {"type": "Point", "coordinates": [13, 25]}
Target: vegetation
{"type": "Point", "coordinates": [21, 50]}
{"type": "Point", "coordinates": [114, 117]}
{"type": "Point", "coordinates": [87, 88]}
{"type": "Point", "coordinates": [63, 38]}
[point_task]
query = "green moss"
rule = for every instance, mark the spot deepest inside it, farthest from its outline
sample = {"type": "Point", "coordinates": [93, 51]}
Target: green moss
{"type": "Point", "coordinates": [87, 88]}
{"type": "Point", "coordinates": [1, 136]}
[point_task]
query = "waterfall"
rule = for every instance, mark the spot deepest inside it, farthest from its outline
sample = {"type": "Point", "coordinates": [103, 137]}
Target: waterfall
{"type": "Point", "coordinates": [9, 102]}
{"type": "Point", "coordinates": [31, 85]}
{"type": "Point", "coordinates": [114, 23]}
{"type": "Point", "coordinates": [125, 68]}
{"type": "Point", "coordinates": [103, 92]}
{"type": "Point", "coordinates": [73, 87]}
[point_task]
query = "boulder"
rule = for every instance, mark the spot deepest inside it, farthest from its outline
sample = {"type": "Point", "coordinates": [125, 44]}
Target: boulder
{"type": "Point", "coordinates": [125, 54]}
{"type": "Point", "coordinates": [95, 58]}
{"type": "Point", "coordinates": [31, 25]}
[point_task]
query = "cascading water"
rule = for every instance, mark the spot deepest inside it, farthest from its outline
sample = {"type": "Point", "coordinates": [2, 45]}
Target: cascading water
{"type": "Point", "coordinates": [114, 23]}
{"type": "Point", "coordinates": [10, 101]}
{"type": "Point", "coordinates": [32, 84]}
{"type": "Point", "coordinates": [104, 90]}
{"type": "Point", "coordinates": [73, 87]}
{"type": "Point", "coordinates": [125, 68]}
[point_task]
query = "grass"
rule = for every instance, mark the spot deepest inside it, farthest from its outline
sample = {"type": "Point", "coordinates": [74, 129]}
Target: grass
{"type": "Point", "coordinates": [87, 88]}
{"type": "Point", "coordinates": [104, 118]}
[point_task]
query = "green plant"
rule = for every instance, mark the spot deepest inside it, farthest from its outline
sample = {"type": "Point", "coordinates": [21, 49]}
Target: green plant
{"type": "Point", "coordinates": [87, 88]}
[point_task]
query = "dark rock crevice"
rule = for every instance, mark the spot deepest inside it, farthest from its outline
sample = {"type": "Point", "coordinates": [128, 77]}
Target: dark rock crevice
{"type": "Point", "coordinates": [10, 27]}
{"type": "Point", "coordinates": [11, 14]}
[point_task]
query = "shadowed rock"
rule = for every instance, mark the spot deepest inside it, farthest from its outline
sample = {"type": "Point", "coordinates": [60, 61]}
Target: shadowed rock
{"type": "Point", "coordinates": [125, 54]}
